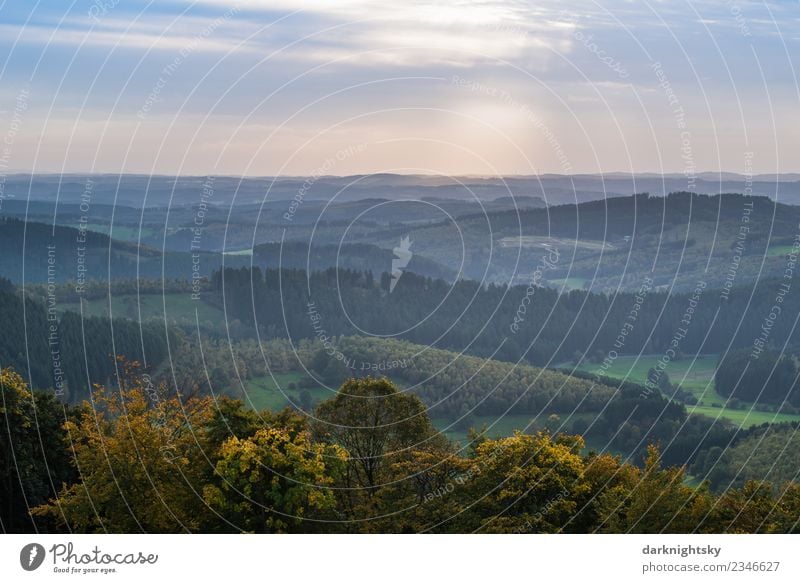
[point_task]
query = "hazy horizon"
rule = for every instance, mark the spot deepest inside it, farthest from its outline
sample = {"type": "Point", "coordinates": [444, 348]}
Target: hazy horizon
{"type": "Point", "coordinates": [702, 173]}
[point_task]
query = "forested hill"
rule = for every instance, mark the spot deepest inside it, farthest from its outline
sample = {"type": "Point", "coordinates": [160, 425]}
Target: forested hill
{"type": "Point", "coordinates": [599, 246]}
{"type": "Point", "coordinates": [67, 354]}
{"type": "Point", "coordinates": [537, 324]}
{"type": "Point", "coordinates": [36, 252]}
{"type": "Point", "coordinates": [615, 218]}
{"type": "Point", "coordinates": [614, 243]}
{"type": "Point", "coordinates": [357, 256]}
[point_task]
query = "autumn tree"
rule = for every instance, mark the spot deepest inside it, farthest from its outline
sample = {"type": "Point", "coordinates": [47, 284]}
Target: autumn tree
{"type": "Point", "coordinates": [380, 427]}
{"type": "Point", "coordinates": [653, 500]}
{"type": "Point", "coordinates": [373, 421]}
{"type": "Point", "coordinates": [523, 483]}
{"type": "Point", "coordinates": [756, 507]}
{"type": "Point", "coordinates": [274, 481]}
{"type": "Point", "coordinates": [142, 459]}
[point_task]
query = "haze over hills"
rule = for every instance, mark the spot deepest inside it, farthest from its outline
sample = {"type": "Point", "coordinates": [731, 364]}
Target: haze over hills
{"type": "Point", "coordinates": [601, 245]}
{"type": "Point", "coordinates": [139, 191]}
{"type": "Point", "coordinates": [613, 244]}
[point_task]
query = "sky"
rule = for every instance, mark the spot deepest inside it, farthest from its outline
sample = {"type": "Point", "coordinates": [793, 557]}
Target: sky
{"type": "Point", "coordinates": [279, 87]}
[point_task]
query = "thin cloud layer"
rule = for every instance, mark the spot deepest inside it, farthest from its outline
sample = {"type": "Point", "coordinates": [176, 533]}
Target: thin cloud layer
{"type": "Point", "coordinates": [264, 87]}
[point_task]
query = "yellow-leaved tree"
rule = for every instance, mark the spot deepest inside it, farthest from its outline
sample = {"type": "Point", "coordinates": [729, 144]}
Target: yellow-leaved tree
{"type": "Point", "coordinates": [276, 480]}
{"type": "Point", "coordinates": [142, 459]}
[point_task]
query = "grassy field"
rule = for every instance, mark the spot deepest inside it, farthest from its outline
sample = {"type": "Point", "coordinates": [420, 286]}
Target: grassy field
{"type": "Point", "coordinates": [506, 425]}
{"type": "Point", "coordinates": [180, 308]}
{"type": "Point", "coordinates": [779, 250]}
{"type": "Point", "coordinates": [743, 417]}
{"type": "Point", "coordinates": [273, 393]}
{"type": "Point", "coordinates": [569, 283]}
{"type": "Point", "coordinates": [694, 375]}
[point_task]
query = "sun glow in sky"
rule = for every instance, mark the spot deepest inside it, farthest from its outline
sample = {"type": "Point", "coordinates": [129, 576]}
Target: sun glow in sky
{"type": "Point", "coordinates": [486, 87]}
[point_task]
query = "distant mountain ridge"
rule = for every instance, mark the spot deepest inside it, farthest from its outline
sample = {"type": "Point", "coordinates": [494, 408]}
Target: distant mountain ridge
{"type": "Point", "coordinates": [147, 191]}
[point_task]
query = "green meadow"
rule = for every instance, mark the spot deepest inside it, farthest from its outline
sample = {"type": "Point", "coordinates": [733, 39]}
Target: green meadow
{"type": "Point", "coordinates": [178, 308]}
{"type": "Point", "coordinates": [695, 375]}
{"type": "Point", "coordinates": [273, 392]}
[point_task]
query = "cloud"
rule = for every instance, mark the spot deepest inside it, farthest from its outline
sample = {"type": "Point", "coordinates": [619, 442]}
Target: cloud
{"type": "Point", "coordinates": [415, 33]}
{"type": "Point", "coordinates": [109, 38]}
{"type": "Point", "coordinates": [270, 63]}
